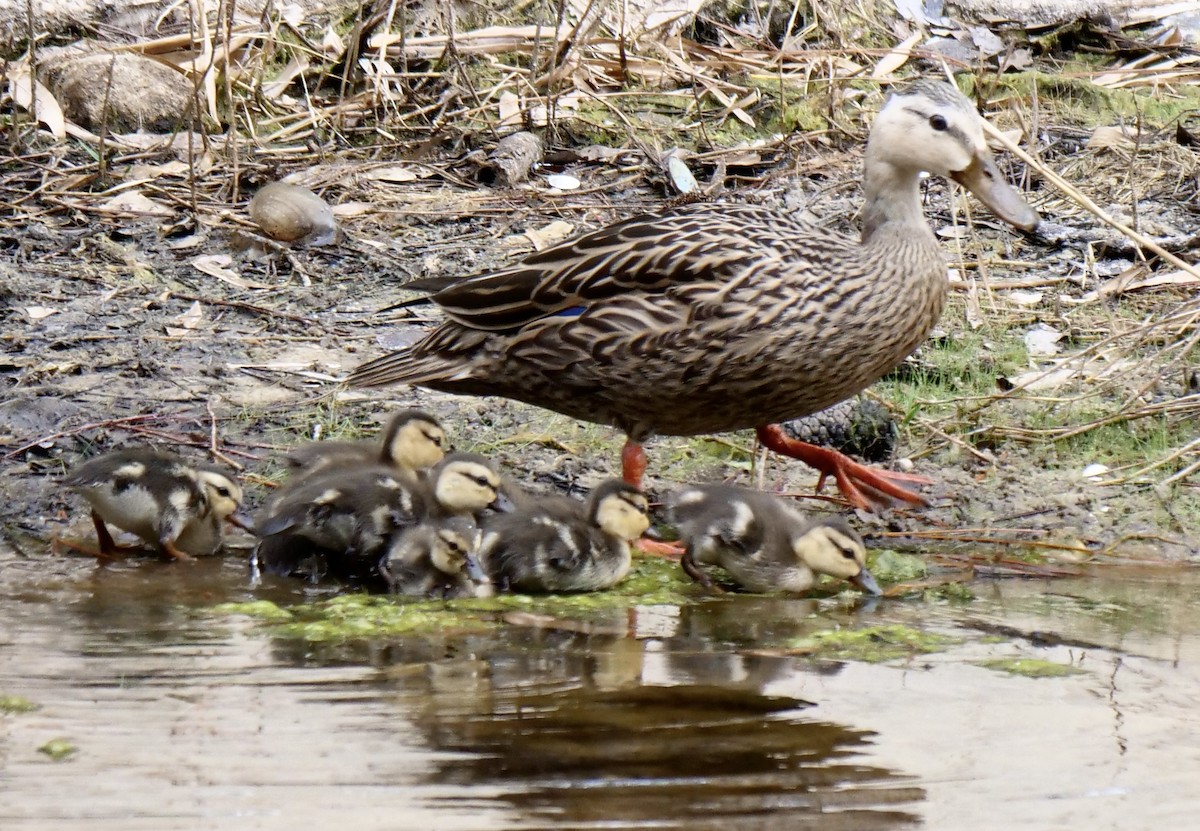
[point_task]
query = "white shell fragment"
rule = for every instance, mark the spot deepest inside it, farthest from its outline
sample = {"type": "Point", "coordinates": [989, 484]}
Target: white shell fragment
{"type": "Point", "coordinates": [563, 181]}
{"type": "Point", "coordinates": [681, 177]}
{"type": "Point", "coordinates": [1095, 471]}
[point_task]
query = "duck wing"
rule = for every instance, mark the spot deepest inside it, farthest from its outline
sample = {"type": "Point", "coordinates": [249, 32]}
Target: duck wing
{"type": "Point", "coordinates": [647, 254]}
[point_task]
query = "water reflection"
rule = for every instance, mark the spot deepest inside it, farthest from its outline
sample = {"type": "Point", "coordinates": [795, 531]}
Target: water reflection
{"type": "Point", "coordinates": [662, 717]}
{"type": "Point", "coordinates": [688, 756]}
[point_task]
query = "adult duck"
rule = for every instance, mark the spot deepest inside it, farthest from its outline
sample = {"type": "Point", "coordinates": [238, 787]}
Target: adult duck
{"type": "Point", "coordinates": [707, 318]}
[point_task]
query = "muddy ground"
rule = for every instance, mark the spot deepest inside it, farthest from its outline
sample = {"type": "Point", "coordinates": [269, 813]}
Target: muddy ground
{"type": "Point", "coordinates": [111, 335]}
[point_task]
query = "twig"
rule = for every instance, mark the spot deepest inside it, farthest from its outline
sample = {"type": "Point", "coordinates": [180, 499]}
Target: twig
{"type": "Point", "coordinates": [95, 425]}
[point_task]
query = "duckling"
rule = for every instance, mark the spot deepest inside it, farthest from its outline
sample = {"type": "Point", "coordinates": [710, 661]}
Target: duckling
{"type": "Point", "coordinates": [347, 518]}
{"type": "Point", "coordinates": [436, 558]}
{"type": "Point", "coordinates": [412, 442]}
{"type": "Point", "coordinates": [176, 505]}
{"type": "Point", "coordinates": [555, 549]}
{"type": "Point", "coordinates": [764, 544]}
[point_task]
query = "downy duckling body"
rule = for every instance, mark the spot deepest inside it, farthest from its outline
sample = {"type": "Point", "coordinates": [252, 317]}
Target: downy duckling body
{"type": "Point", "coordinates": [171, 503]}
{"type": "Point", "coordinates": [557, 550]}
{"type": "Point", "coordinates": [347, 518]}
{"type": "Point", "coordinates": [436, 558]}
{"type": "Point", "coordinates": [763, 543]}
{"type": "Point", "coordinates": [412, 442]}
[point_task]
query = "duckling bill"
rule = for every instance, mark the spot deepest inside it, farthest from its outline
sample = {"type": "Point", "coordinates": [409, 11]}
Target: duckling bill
{"type": "Point", "coordinates": [764, 544]}
{"type": "Point", "coordinates": [175, 505]}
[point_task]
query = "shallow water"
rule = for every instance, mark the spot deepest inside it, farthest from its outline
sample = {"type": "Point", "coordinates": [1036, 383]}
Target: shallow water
{"type": "Point", "coordinates": [691, 717]}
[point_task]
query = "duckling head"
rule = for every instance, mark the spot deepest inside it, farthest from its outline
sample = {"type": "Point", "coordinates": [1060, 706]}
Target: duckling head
{"type": "Point", "coordinates": [620, 510]}
{"type": "Point", "coordinates": [414, 440]}
{"type": "Point", "coordinates": [224, 498]}
{"type": "Point", "coordinates": [832, 547]}
{"type": "Point", "coordinates": [931, 126]}
{"type": "Point", "coordinates": [453, 547]}
{"type": "Point", "coordinates": [466, 483]}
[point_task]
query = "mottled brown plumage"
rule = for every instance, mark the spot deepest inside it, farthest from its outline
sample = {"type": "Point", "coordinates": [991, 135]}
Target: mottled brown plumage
{"type": "Point", "coordinates": [714, 317]}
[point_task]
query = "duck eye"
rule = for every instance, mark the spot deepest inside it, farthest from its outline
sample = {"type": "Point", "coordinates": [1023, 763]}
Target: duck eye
{"type": "Point", "coordinates": [223, 491]}
{"type": "Point", "coordinates": [938, 122]}
{"type": "Point", "coordinates": [848, 553]}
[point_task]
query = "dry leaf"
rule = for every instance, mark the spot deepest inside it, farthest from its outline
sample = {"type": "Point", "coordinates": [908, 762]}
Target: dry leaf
{"type": "Point", "coordinates": [1042, 340]}
{"type": "Point", "coordinates": [1025, 298]}
{"type": "Point", "coordinates": [332, 45]}
{"type": "Point", "coordinates": [1110, 137]}
{"type": "Point", "coordinates": [274, 88]}
{"type": "Point", "coordinates": [215, 265]}
{"type": "Point", "coordinates": [510, 109]}
{"type": "Point", "coordinates": [193, 317]}
{"type": "Point", "coordinates": [49, 112]}
{"type": "Point", "coordinates": [897, 57]}
{"type": "Point", "coordinates": [37, 313]}
{"type": "Point", "coordinates": [548, 235]}
{"type": "Point", "coordinates": [396, 174]}
{"type": "Point", "coordinates": [345, 209]}
{"type": "Point", "coordinates": [136, 203]}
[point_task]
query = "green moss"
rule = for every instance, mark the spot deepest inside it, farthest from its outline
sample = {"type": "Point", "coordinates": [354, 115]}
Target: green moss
{"type": "Point", "coordinates": [260, 609]}
{"type": "Point", "coordinates": [58, 749]}
{"type": "Point", "coordinates": [889, 566]}
{"type": "Point", "coordinates": [1078, 101]}
{"type": "Point", "coordinates": [358, 616]}
{"type": "Point", "coordinates": [15, 704]}
{"type": "Point", "coordinates": [652, 581]}
{"type": "Point", "coordinates": [1030, 667]}
{"type": "Point", "coordinates": [873, 644]}
{"type": "Point", "coordinates": [951, 592]}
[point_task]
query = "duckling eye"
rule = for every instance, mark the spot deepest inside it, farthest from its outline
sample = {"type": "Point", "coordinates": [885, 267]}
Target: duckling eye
{"type": "Point", "coordinates": [437, 440]}
{"type": "Point", "coordinates": [848, 553]}
{"type": "Point", "coordinates": [482, 482]}
{"type": "Point", "coordinates": [938, 122]}
{"type": "Point", "coordinates": [223, 491]}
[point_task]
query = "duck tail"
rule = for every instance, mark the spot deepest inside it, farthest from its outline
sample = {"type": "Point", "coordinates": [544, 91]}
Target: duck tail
{"type": "Point", "coordinates": [408, 367]}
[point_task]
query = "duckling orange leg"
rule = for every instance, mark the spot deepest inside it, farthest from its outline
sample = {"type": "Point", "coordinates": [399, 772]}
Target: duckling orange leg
{"type": "Point", "coordinates": [108, 546]}
{"type": "Point", "coordinates": [864, 487]}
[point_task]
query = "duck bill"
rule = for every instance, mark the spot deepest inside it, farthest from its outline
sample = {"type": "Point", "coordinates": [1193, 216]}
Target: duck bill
{"type": "Point", "coordinates": [866, 582]}
{"type": "Point", "coordinates": [242, 521]}
{"type": "Point", "coordinates": [475, 571]}
{"type": "Point", "coordinates": [503, 503]}
{"type": "Point", "coordinates": [983, 179]}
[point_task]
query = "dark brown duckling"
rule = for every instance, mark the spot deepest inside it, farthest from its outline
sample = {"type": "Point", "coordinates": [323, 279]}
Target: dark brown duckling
{"type": "Point", "coordinates": [557, 550]}
{"type": "Point", "coordinates": [175, 505]}
{"type": "Point", "coordinates": [764, 543]}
